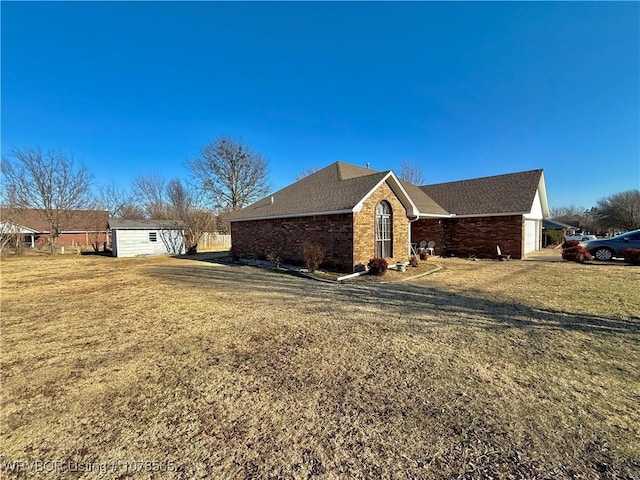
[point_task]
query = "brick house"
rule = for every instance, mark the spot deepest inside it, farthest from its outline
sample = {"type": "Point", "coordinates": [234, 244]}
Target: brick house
{"type": "Point", "coordinates": [82, 228]}
{"type": "Point", "coordinates": [356, 214]}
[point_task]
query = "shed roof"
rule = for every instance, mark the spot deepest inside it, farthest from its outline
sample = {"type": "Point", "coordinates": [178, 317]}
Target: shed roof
{"type": "Point", "coordinates": [499, 194]}
{"type": "Point", "coordinates": [144, 224]}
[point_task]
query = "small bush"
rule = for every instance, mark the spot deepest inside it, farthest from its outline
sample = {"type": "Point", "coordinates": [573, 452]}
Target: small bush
{"type": "Point", "coordinates": [378, 266]}
{"type": "Point", "coordinates": [554, 237]}
{"type": "Point", "coordinates": [632, 255]}
{"type": "Point", "coordinates": [414, 261]}
{"type": "Point", "coordinates": [573, 252]}
{"type": "Point", "coordinates": [313, 255]}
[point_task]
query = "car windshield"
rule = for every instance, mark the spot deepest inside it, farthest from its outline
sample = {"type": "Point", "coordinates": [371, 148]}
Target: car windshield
{"type": "Point", "coordinates": [626, 234]}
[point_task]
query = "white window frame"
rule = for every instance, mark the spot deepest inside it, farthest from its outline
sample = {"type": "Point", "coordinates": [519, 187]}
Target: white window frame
{"type": "Point", "coordinates": [384, 230]}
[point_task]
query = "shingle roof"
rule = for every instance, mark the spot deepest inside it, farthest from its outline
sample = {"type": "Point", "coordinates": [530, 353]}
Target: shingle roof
{"type": "Point", "coordinates": [500, 194]}
{"type": "Point", "coordinates": [143, 224]}
{"type": "Point", "coordinates": [336, 188]}
{"type": "Point", "coordinates": [79, 220]}
{"type": "Point", "coordinates": [341, 186]}
{"type": "Point", "coordinates": [426, 205]}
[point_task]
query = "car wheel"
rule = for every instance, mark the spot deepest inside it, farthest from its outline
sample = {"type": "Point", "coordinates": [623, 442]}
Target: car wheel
{"type": "Point", "coordinates": [603, 254]}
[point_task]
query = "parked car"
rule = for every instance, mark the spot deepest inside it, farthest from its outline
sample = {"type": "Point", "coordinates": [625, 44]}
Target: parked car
{"type": "Point", "coordinates": [581, 237]}
{"type": "Point", "coordinates": [607, 248]}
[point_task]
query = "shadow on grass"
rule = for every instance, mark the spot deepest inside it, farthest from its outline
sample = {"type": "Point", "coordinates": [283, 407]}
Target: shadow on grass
{"type": "Point", "coordinates": [93, 253]}
{"type": "Point", "coordinates": [400, 300]}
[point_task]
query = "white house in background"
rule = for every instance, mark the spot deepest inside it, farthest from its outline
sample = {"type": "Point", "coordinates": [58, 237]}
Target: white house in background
{"type": "Point", "coordinates": [135, 238]}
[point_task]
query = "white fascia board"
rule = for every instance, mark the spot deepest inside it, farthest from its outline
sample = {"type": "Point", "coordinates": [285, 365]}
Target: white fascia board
{"type": "Point", "coordinates": [436, 215]}
{"type": "Point", "coordinates": [291, 215]}
{"type": "Point", "coordinates": [401, 193]}
{"type": "Point", "coordinates": [490, 214]}
{"type": "Point", "coordinates": [15, 229]}
{"type": "Point", "coordinates": [542, 190]}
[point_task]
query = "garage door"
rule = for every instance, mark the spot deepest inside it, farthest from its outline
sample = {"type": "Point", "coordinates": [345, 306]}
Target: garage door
{"type": "Point", "coordinates": [531, 235]}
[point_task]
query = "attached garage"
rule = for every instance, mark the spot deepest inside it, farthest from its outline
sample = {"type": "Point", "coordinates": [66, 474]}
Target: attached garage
{"type": "Point", "coordinates": [532, 235]}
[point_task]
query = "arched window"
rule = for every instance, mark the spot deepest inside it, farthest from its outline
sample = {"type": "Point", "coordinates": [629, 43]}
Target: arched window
{"type": "Point", "coordinates": [384, 230]}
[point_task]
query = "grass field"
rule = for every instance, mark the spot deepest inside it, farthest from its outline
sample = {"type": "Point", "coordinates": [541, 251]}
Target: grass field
{"type": "Point", "coordinates": [174, 368]}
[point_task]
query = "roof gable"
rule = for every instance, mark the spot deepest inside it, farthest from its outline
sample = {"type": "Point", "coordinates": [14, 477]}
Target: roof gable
{"type": "Point", "coordinates": [337, 188]}
{"type": "Point", "coordinates": [513, 193]}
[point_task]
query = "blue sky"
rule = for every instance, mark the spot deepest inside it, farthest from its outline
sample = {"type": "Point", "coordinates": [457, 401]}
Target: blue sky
{"type": "Point", "coordinates": [462, 89]}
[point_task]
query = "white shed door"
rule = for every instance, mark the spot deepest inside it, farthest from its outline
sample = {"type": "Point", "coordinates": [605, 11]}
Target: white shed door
{"type": "Point", "coordinates": [531, 236]}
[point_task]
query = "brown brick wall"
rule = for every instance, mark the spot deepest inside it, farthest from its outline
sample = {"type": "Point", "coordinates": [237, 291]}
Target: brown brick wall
{"type": "Point", "coordinates": [364, 227]}
{"type": "Point", "coordinates": [285, 236]}
{"type": "Point", "coordinates": [335, 233]}
{"type": "Point", "coordinates": [473, 236]}
{"type": "Point", "coordinates": [70, 240]}
{"type": "Point", "coordinates": [428, 230]}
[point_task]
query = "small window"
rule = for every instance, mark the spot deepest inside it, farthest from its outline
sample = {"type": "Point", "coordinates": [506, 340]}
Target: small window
{"type": "Point", "coordinates": [153, 236]}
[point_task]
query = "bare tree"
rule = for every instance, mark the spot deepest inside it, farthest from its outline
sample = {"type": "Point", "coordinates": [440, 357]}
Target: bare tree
{"type": "Point", "coordinates": [131, 211]}
{"type": "Point", "coordinates": [306, 172]}
{"type": "Point", "coordinates": [567, 213]}
{"type": "Point", "coordinates": [95, 224]}
{"type": "Point", "coordinates": [231, 173]}
{"type": "Point", "coordinates": [620, 211]}
{"type": "Point", "coordinates": [50, 182]}
{"type": "Point", "coordinates": [149, 192]}
{"type": "Point", "coordinates": [411, 173]}
{"type": "Point", "coordinates": [185, 205]}
{"type": "Point", "coordinates": [114, 199]}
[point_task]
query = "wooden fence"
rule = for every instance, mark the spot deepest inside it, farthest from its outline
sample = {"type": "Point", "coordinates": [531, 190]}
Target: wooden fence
{"type": "Point", "coordinates": [214, 241]}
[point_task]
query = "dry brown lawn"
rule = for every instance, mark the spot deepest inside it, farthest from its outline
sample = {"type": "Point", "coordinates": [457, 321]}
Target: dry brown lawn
{"type": "Point", "coordinates": [503, 370]}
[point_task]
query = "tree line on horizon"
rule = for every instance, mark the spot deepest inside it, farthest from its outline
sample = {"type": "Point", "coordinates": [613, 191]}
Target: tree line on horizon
{"type": "Point", "coordinates": [617, 212]}
{"type": "Point", "coordinates": [226, 175]}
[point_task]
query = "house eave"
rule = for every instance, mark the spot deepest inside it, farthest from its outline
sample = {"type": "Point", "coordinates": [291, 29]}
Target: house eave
{"type": "Point", "coordinates": [20, 229]}
{"type": "Point", "coordinates": [435, 215]}
{"type": "Point", "coordinates": [505, 214]}
{"type": "Point", "coordinates": [292, 215]}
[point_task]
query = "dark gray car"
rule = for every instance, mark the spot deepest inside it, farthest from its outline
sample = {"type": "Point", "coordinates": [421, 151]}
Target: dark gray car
{"type": "Point", "coordinates": [607, 248]}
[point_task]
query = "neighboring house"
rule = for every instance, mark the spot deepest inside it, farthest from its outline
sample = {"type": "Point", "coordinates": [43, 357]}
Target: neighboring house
{"type": "Point", "coordinates": [82, 228]}
{"type": "Point", "coordinates": [562, 229]}
{"type": "Point", "coordinates": [135, 238]}
{"type": "Point", "coordinates": [550, 224]}
{"type": "Point", "coordinates": [356, 214]}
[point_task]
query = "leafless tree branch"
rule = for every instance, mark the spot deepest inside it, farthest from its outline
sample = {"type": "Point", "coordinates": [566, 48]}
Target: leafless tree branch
{"type": "Point", "coordinates": [50, 182]}
{"type": "Point", "coordinates": [411, 173]}
{"type": "Point", "coordinates": [231, 173]}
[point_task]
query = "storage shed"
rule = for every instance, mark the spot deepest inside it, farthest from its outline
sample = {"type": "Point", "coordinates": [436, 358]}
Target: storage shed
{"type": "Point", "coordinates": [136, 238]}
